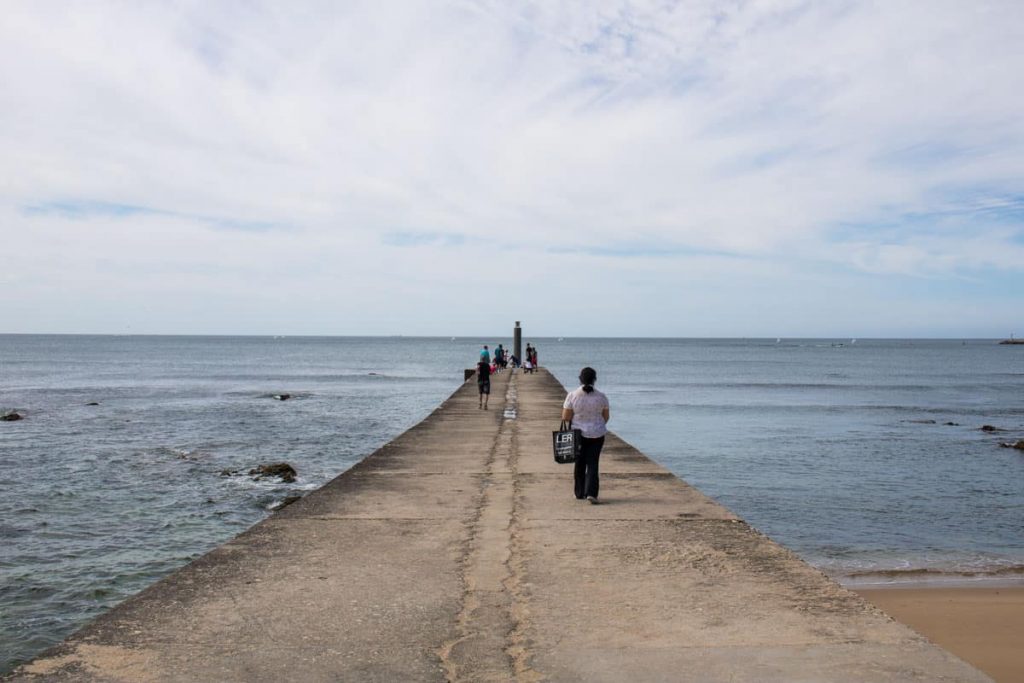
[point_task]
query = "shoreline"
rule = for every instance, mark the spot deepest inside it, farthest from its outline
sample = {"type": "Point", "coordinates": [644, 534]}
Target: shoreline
{"type": "Point", "coordinates": [982, 623]}
{"type": "Point", "coordinates": [865, 583]}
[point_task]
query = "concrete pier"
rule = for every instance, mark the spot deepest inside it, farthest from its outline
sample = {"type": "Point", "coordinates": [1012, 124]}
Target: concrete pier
{"type": "Point", "coordinates": [458, 552]}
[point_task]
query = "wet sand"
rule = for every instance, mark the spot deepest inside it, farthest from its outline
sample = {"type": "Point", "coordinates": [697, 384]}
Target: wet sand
{"type": "Point", "coordinates": [983, 626]}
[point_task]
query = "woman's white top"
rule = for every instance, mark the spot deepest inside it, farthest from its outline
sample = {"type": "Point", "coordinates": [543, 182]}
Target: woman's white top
{"type": "Point", "coordinates": [586, 412]}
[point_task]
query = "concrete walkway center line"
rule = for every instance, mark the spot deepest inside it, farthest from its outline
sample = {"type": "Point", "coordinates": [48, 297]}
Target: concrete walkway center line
{"type": "Point", "coordinates": [458, 552]}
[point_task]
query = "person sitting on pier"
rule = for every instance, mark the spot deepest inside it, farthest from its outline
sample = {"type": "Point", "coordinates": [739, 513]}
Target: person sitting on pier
{"type": "Point", "coordinates": [483, 382]}
{"type": "Point", "coordinates": [587, 409]}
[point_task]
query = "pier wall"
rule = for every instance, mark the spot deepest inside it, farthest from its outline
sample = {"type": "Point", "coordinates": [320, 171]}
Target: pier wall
{"type": "Point", "coordinates": [458, 552]}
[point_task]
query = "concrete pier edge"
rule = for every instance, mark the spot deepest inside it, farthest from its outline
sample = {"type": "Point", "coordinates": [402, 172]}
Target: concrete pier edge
{"type": "Point", "coordinates": [457, 552]}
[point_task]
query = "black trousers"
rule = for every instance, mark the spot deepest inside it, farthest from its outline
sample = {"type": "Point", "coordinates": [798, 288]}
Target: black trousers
{"type": "Point", "coordinates": [585, 470]}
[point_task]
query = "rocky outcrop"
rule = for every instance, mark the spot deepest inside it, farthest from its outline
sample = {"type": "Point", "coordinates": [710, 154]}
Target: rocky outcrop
{"type": "Point", "coordinates": [282, 397]}
{"type": "Point", "coordinates": [12, 416]}
{"type": "Point", "coordinates": [1019, 445]}
{"type": "Point", "coordinates": [990, 428]}
{"type": "Point", "coordinates": [283, 470]}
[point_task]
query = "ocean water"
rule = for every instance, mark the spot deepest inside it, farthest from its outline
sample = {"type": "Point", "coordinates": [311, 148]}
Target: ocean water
{"type": "Point", "coordinates": [838, 449]}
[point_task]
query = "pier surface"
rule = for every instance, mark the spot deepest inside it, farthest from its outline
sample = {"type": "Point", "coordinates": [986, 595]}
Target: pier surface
{"type": "Point", "coordinates": [458, 552]}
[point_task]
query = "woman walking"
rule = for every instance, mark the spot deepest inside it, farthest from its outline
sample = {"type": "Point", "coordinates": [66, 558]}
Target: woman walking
{"type": "Point", "coordinates": [587, 409]}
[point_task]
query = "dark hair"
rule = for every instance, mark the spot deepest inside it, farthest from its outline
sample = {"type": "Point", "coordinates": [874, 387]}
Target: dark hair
{"type": "Point", "coordinates": [588, 376]}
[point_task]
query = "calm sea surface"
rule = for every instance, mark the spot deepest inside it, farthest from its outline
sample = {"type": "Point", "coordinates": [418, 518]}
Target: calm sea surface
{"type": "Point", "coordinates": [840, 450]}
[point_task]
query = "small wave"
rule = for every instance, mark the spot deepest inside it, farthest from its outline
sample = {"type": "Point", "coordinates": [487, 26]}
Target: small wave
{"type": "Point", "coordinates": [171, 451]}
{"type": "Point", "coordinates": [817, 385]}
{"type": "Point", "coordinates": [912, 573]}
{"type": "Point", "coordinates": [8, 531]}
{"type": "Point", "coordinates": [288, 395]}
{"type": "Point", "coordinates": [836, 385]}
{"type": "Point", "coordinates": [369, 375]}
{"type": "Point", "coordinates": [242, 480]}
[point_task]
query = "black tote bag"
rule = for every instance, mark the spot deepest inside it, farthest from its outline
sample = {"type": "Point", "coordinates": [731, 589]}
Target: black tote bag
{"type": "Point", "coordinates": [566, 443]}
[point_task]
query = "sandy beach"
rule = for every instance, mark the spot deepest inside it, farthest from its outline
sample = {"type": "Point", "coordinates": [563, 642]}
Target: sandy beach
{"type": "Point", "coordinates": [983, 626]}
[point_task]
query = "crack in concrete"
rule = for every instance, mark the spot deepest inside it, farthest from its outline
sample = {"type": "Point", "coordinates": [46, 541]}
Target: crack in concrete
{"type": "Point", "coordinates": [457, 655]}
{"type": "Point", "coordinates": [517, 641]}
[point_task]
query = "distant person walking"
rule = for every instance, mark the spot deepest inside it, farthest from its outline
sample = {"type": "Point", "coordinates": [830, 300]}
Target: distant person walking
{"type": "Point", "coordinates": [587, 409]}
{"type": "Point", "coordinates": [499, 357]}
{"type": "Point", "coordinates": [534, 358]}
{"type": "Point", "coordinates": [485, 355]}
{"type": "Point", "coordinates": [483, 381]}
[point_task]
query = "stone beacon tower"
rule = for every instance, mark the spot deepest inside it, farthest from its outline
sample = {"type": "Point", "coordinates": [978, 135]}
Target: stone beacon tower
{"type": "Point", "coordinates": [517, 341]}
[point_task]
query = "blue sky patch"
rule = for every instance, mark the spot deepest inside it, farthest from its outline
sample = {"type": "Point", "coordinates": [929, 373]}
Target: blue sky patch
{"type": "Point", "coordinates": [88, 209]}
{"type": "Point", "coordinates": [84, 209]}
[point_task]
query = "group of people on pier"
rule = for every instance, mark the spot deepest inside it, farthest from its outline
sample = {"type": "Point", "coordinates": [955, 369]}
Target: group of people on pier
{"type": "Point", "coordinates": [585, 409]}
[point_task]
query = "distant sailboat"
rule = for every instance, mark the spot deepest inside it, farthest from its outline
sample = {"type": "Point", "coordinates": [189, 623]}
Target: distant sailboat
{"type": "Point", "coordinates": [853, 341]}
{"type": "Point", "coordinates": [779, 340]}
{"type": "Point", "coordinates": [561, 339]}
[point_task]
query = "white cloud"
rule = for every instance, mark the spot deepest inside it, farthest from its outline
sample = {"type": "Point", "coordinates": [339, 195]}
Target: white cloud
{"type": "Point", "coordinates": [865, 139]}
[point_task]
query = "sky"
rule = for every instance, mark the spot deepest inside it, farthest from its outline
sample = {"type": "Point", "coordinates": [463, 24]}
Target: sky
{"type": "Point", "coordinates": [751, 169]}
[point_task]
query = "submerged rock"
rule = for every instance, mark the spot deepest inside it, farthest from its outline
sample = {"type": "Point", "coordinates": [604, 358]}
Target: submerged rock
{"type": "Point", "coordinates": [284, 503]}
{"type": "Point", "coordinates": [922, 422]}
{"type": "Point", "coordinates": [282, 397]}
{"type": "Point", "coordinates": [280, 469]}
{"type": "Point", "coordinates": [1019, 445]}
{"type": "Point", "coordinates": [12, 416]}
{"type": "Point", "coordinates": [990, 428]}
{"type": "Point", "coordinates": [93, 403]}
{"type": "Point", "coordinates": [952, 424]}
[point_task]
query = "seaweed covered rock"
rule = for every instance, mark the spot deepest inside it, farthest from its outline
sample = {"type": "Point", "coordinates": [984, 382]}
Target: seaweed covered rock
{"type": "Point", "coordinates": [280, 469]}
{"type": "Point", "coordinates": [12, 416]}
{"type": "Point", "coordinates": [1019, 445]}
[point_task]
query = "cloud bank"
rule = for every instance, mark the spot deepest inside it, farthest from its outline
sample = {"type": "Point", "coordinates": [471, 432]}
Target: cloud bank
{"type": "Point", "coordinates": [619, 168]}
